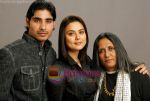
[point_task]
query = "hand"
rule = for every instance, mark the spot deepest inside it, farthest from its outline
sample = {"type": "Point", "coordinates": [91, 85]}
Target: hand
{"type": "Point", "coordinates": [142, 69]}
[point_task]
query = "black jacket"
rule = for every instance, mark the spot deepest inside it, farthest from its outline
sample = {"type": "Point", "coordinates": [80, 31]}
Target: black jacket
{"type": "Point", "coordinates": [72, 83]}
{"type": "Point", "coordinates": [23, 70]}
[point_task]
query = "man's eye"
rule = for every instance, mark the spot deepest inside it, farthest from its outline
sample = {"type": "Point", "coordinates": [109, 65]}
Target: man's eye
{"type": "Point", "coordinates": [36, 20]}
{"type": "Point", "coordinates": [49, 21]}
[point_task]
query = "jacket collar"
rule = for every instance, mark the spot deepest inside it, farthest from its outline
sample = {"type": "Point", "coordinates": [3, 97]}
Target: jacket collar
{"type": "Point", "coordinates": [71, 61]}
{"type": "Point", "coordinates": [35, 42]}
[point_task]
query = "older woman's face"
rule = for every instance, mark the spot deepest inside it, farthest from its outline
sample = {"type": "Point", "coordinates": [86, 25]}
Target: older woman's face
{"type": "Point", "coordinates": [107, 54]}
{"type": "Point", "coordinates": [75, 36]}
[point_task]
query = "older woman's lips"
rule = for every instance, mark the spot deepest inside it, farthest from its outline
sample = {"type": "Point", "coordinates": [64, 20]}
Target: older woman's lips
{"type": "Point", "coordinates": [108, 61]}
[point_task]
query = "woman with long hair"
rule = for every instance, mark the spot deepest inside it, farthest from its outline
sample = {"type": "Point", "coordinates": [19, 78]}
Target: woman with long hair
{"type": "Point", "coordinates": [118, 81]}
{"type": "Point", "coordinates": [75, 83]}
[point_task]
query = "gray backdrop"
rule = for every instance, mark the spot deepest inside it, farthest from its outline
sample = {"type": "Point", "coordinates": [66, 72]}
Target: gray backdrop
{"type": "Point", "coordinates": [129, 19]}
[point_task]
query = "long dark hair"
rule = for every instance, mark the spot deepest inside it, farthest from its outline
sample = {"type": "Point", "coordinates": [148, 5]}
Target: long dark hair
{"type": "Point", "coordinates": [62, 49]}
{"type": "Point", "coordinates": [123, 61]}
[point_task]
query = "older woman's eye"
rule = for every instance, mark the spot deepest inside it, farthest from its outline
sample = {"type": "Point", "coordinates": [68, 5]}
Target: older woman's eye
{"type": "Point", "coordinates": [101, 50]}
{"type": "Point", "coordinates": [111, 48]}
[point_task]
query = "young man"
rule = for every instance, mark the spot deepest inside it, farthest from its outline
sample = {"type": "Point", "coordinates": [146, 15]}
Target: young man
{"type": "Point", "coordinates": [23, 63]}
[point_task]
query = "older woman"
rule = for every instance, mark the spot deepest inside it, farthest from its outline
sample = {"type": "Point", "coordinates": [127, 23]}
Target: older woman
{"type": "Point", "coordinates": [118, 81]}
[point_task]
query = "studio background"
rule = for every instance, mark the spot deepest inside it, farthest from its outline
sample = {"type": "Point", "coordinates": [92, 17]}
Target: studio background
{"type": "Point", "coordinates": [129, 19]}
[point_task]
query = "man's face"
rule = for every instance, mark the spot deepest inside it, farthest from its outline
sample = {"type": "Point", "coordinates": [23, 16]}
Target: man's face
{"type": "Point", "coordinates": [41, 25]}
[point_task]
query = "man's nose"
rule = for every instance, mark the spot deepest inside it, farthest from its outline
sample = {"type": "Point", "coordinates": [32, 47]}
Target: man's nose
{"type": "Point", "coordinates": [43, 26]}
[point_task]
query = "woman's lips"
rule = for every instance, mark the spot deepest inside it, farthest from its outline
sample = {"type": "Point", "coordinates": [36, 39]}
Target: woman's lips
{"type": "Point", "coordinates": [78, 43]}
{"type": "Point", "coordinates": [108, 61]}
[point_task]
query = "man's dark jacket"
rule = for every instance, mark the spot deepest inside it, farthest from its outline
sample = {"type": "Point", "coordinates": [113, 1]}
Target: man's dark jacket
{"type": "Point", "coordinates": [23, 69]}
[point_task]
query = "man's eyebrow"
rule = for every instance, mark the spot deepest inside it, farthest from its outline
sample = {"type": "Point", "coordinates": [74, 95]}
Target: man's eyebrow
{"type": "Point", "coordinates": [36, 17]}
{"type": "Point", "coordinates": [49, 19]}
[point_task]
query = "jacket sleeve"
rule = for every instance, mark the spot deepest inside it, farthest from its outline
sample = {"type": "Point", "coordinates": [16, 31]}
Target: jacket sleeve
{"type": "Point", "coordinates": [6, 74]}
{"type": "Point", "coordinates": [145, 88]}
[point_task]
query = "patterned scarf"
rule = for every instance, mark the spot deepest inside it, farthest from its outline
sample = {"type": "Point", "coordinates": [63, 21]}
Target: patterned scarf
{"type": "Point", "coordinates": [123, 90]}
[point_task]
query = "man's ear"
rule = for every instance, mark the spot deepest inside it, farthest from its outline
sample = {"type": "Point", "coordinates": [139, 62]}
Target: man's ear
{"type": "Point", "coordinates": [54, 25]}
{"type": "Point", "coordinates": [27, 22]}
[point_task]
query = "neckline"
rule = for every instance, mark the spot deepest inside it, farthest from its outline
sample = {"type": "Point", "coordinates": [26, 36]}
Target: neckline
{"type": "Point", "coordinates": [111, 72]}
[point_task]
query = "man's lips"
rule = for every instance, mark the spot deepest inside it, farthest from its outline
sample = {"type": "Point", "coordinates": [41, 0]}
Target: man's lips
{"type": "Point", "coordinates": [42, 33]}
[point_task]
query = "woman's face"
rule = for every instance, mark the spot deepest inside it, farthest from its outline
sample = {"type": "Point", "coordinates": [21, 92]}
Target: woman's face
{"type": "Point", "coordinates": [107, 54]}
{"type": "Point", "coordinates": [75, 36]}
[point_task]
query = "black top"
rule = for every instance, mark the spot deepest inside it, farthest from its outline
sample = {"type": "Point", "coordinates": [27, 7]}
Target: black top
{"type": "Point", "coordinates": [110, 84]}
{"type": "Point", "coordinates": [140, 87]}
{"type": "Point", "coordinates": [75, 83]}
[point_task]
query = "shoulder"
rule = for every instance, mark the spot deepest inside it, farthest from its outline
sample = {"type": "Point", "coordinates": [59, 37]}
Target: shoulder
{"type": "Point", "coordinates": [13, 47]}
{"type": "Point", "coordinates": [137, 74]}
{"type": "Point", "coordinates": [138, 77]}
{"type": "Point", "coordinates": [52, 51]}
{"type": "Point", "coordinates": [140, 86]}
{"type": "Point", "coordinates": [60, 63]}
{"type": "Point", "coordinates": [88, 60]}
{"type": "Point", "coordinates": [4, 54]}
{"type": "Point", "coordinates": [15, 44]}
{"type": "Point", "coordinates": [8, 49]}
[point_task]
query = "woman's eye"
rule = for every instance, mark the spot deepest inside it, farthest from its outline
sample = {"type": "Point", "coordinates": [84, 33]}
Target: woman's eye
{"type": "Point", "coordinates": [70, 33]}
{"type": "Point", "coordinates": [82, 32]}
{"type": "Point", "coordinates": [111, 48]}
{"type": "Point", "coordinates": [100, 50]}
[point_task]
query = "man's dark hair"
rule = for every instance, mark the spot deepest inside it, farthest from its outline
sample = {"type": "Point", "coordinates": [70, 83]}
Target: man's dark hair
{"type": "Point", "coordinates": [41, 5]}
